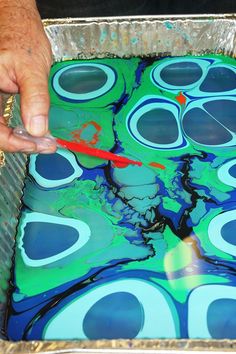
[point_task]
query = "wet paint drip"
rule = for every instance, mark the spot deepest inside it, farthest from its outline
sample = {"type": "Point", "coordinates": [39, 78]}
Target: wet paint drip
{"type": "Point", "coordinates": [109, 249]}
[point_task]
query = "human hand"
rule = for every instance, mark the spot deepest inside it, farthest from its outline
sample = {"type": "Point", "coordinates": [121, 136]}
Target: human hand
{"type": "Point", "coordinates": [25, 61]}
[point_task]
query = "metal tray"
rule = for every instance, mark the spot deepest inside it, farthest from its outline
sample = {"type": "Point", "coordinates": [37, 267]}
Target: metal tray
{"type": "Point", "coordinates": [108, 37]}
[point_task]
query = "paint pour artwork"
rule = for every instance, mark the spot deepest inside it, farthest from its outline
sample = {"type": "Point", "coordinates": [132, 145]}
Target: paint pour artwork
{"type": "Point", "coordinates": [111, 251]}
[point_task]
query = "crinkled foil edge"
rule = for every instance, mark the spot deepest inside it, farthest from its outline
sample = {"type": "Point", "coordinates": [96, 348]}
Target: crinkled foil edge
{"type": "Point", "coordinates": [7, 115]}
{"type": "Point", "coordinates": [120, 346]}
{"type": "Point", "coordinates": [87, 38]}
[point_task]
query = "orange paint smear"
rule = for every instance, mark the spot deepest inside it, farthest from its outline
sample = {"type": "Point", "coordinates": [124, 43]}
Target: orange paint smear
{"type": "Point", "coordinates": [76, 134]}
{"type": "Point", "coordinates": [117, 164]}
{"type": "Point", "coordinates": [157, 165]}
{"type": "Point", "coordinates": [181, 98]}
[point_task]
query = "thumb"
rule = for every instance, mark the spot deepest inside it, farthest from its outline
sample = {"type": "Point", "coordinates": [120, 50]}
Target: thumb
{"type": "Point", "coordinates": [33, 87]}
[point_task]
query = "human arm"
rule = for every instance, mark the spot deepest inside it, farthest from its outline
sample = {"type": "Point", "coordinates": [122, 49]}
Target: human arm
{"type": "Point", "coordinates": [25, 61]}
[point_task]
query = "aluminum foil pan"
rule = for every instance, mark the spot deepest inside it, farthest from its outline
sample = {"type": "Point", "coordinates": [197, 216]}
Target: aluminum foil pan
{"type": "Point", "coordinates": [147, 36]}
{"type": "Point", "coordinates": [108, 37]}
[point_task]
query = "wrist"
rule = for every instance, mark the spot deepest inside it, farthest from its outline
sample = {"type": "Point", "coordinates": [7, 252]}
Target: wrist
{"type": "Point", "coordinates": [6, 5]}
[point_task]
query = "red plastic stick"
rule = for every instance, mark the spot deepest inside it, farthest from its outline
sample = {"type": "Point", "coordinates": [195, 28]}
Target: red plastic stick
{"type": "Point", "coordinates": [102, 154]}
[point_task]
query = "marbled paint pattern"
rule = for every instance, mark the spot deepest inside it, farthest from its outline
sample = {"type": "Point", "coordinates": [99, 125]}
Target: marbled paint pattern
{"type": "Point", "coordinates": [133, 252]}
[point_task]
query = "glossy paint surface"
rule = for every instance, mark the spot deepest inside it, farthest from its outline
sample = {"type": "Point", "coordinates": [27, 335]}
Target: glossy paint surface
{"type": "Point", "coordinates": [111, 251]}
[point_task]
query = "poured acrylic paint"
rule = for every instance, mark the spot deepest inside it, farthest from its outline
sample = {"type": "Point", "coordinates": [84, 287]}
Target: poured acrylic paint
{"type": "Point", "coordinates": [110, 251]}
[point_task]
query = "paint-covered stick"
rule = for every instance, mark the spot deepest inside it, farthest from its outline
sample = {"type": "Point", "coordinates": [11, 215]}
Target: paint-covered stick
{"type": "Point", "coordinates": [102, 154]}
{"type": "Point", "coordinates": [48, 141]}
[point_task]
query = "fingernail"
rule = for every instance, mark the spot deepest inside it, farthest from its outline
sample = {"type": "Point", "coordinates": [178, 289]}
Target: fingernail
{"type": "Point", "coordinates": [37, 125]}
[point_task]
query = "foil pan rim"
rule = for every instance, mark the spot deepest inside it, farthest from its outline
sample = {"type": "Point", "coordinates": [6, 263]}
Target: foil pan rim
{"type": "Point", "coordinates": [161, 18]}
{"type": "Point", "coordinates": [164, 346]}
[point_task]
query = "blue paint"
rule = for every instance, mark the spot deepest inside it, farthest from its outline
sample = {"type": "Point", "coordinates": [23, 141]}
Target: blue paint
{"type": "Point", "coordinates": [158, 126]}
{"type": "Point", "coordinates": [218, 80]}
{"type": "Point", "coordinates": [142, 229]}
{"type": "Point", "coordinates": [223, 110]}
{"type": "Point", "coordinates": [228, 232]}
{"type": "Point", "coordinates": [42, 239]}
{"type": "Point", "coordinates": [118, 315]}
{"type": "Point", "coordinates": [221, 319]}
{"type": "Point", "coordinates": [232, 171]}
{"type": "Point", "coordinates": [181, 74]}
{"type": "Point", "coordinates": [53, 166]}
{"type": "Point", "coordinates": [204, 129]}
{"type": "Point", "coordinates": [82, 79]}
{"type": "Point", "coordinates": [139, 71]}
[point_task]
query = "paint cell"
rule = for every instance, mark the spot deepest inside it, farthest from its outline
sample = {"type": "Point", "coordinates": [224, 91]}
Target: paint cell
{"type": "Point", "coordinates": [221, 327]}
{"type": "Point", "coordinates": [131, 311]}
{"type": "Point", "coordinates": [154, 122]}
{"type": "Point", "coordinates": [221, 232]}
{"type": "Point", "coordinates": [82, 79]}
{"type": "Point", "coordinates": [204, 129]}
{"type": "Point", "coordinates": [43, 240]}
{"type": "Point", "coordinates": [53, 167]}
{"type": "Point", "coordinates": [82, 82]}
{"type": "Point", "coordinates": [46, 239]}
{"type": "Point", "coordinates": [219, 79]}
{"type": "Point", "coordinates": [223, 111]}
{"type": "Point", "coordinates": [228, 232]}
{"type": "Point", "coordinates": [211, 121]}
{"type": "Point", "coordinates": [54, 170]}
{"type": "Point", "coordinates": [120, 315]}
{"type": "Point", "coordinates": [232, 171]}
{"type": "Point", "coordinates": [211, 310]}
{"type": "Point", "coordinates": [181, 74]}
{"type": "Point", "coordinates": [158, 126]}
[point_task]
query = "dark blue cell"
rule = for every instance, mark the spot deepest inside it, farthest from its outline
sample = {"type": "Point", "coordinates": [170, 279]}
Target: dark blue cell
{"type": "Point", "coordinates": [158, 126]}
{"type": "Point", "coordinates": [224, 111]}
{"type": "Point", "coordinates": [181, 74]}
{"type": "Point", "coordinates": [53, 166]}
{"type": "Point", "coordinates": [219, 79]}
{"type": "Point", "coordinates": [204, 129]}
{"type": "Point", "coordinates": [43, 239]}
{"type": "Point", "coordinates": [232, 171]}
{"type": "Point", "coordinates": [82, 79]}
{"type": "Point", "coordinates": [118, 315]}
{"type": "Point", "coordinates": [228, 232]}
{"type": "Point", "coordinates": [221, 319]}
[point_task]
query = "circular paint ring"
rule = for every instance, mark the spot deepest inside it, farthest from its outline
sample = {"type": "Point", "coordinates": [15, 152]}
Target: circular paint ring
{"type": "Point", "coordinates": [196, 104]}
{"type": "Point", "coordinates": [198, 304]}
{"type": "Point", "coordinates": [109, 72]}
{"type": "Point", "coordinates": [214, 232]}
{"type": "Point", "coordinates": [46, 183]}
{"type": "Point", "coordinates": [224, 175]}
{"type": "Point", "coordinates": [147, 104]}
{"type": "Point", "coordinates": [82, 228]}
{"type": "Point", "coordinates": [196, 92]}
{"type": "Point", "coordinates": [158, 81]}
{"type": "Point", "coordinates": [156, 306]}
